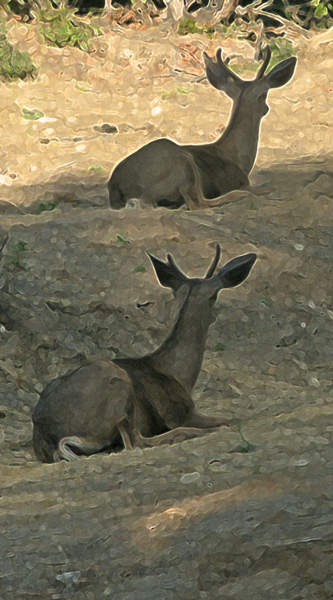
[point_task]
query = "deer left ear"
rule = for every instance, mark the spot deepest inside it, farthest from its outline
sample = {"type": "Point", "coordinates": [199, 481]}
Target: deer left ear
{"type": "Point", "coordinates": [168, 274]}
{"type": "Point", "coordinates": [221, 77]}
{"type": "Point", "coordinates": [281, 73]}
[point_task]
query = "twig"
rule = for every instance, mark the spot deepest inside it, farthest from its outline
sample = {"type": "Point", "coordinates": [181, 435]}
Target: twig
{"type": "Point", "coordinates": [251, 10]}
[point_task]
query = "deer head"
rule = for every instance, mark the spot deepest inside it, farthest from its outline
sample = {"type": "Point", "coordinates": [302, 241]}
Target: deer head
{"type": "Point", "coordinates": [253, 92]}
{"type": "Point", "coordinates": [207, 288]}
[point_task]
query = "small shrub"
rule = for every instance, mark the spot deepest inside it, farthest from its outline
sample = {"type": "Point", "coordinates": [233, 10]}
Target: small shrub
{"type": "Point", "coordinates": [95, 169]}
{"type": "Point", "coordinates": [140, 269]}
{"type": "Point", "coordinates": [219, 347]}
{"type": "Point", "coordinates": [182, 90]}
{"type": "Point", "coordinates": [32, 114]}
{"type": "Point", "coordinates": [123, 238]}
{"type": "Point", "coordinates": [61, 27]}
{"type": "Point", "coordinates": [14, 64]}
{"type": "Point", "coordinates": [188, 25]}
{"type": "Point", "coordinates": [45, 207]}
{"type": "Point", "coordinates": [165, 95]}
{"type": "Point", "coordinates": [17, 251]}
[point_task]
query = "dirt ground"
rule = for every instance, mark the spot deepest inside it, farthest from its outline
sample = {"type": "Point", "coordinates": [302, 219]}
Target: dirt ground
{"type": "Point", "coordinates": [215, 517]}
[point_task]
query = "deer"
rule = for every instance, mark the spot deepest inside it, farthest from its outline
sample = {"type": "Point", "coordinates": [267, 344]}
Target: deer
{"type": "Point", "coordinates": [112, 405]}
{"type": "Point", "coordinates": [163, 173]}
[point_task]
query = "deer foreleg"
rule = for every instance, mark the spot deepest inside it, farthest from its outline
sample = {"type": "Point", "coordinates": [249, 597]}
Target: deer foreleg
{"type": "Point", "coordinates": [206, 422]}
{"type": "Point", "coordinates": [180, 434]}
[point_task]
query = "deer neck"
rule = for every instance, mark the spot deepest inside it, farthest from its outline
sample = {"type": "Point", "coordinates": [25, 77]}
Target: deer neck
{"type": "Point", "coordinates": [239, 142]}
{"type": "Point", "coordinates": [181, 354]}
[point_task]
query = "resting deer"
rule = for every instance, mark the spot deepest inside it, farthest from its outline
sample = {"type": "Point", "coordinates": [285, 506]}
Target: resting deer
{"type": "Point", "coordinates": [106, 405]}
{"type": "Point", "coordinates": [164, 173]}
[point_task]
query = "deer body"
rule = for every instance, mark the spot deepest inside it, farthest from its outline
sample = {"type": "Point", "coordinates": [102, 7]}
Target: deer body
{"type": "Point", "coordinates": [109, 405]}
{"type": "Point", "coordinates": [164, 173]}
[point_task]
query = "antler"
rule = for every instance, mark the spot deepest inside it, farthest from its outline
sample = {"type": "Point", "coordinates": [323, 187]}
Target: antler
{"type": "Point", "coordinates": [215, 262]}
{"type": "Point", "coordinates": [265, 63]}
{"type": "Point", "coordinates": [172, 261]}
{"type": "Point", "coordinates": [222, 64]}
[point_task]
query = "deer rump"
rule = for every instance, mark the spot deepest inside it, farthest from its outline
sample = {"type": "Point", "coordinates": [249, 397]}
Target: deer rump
{"type": "Point", "coordinates": [107, 426]}
{"type": "Point", "coordinates": [177, 175]}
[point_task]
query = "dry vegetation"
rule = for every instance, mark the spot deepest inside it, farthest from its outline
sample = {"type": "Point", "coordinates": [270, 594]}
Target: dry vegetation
{"type": "Point", "coordinates": [227, 516]}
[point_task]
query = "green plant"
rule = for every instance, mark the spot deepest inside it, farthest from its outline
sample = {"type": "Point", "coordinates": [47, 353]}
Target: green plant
{"type": "Point", "coordinates": [123, 238]}
{"type": "Point", "coordinates": [46, 207]}
{"type": "Point", "coordinates": [14, 64]}
{"type": "Point", "coordinates": [219, 347]}
{"type": "Point", "coordinates": [140, 269]}
{"type": "Point", "coordinates": [188, 25]}
{"type": "Point", "coordinates": [208, 30]}
{"type": "Point", "coordinates": [254, 206]}
{"type": "Point", "coordinates": [165, 95]}
{"type": "Point", "coordinates": [182, 90]}
{"type": "Point", "coordinates": [32, 114]}
{"type": "Point", "coordinates": [61, 27]}
{"type": "Point", "coordinates": [82, 87]}
{"type": "Point", "coordinates": [266, 301]}
{"type": "Point", "coordinates": [244, 446]}
{"type": "Point", "coordinates": [95, 169]}
{"type": "Point", "coordinates": [16, 251]}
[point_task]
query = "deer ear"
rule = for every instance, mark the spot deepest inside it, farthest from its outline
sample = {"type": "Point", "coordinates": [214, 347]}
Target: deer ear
{"type": "Point", "coordinates": [168, 274]}
{"type": "Point", "coordinates": [236, 270]}
{"type": "Point", "coordinates": [281, 73]}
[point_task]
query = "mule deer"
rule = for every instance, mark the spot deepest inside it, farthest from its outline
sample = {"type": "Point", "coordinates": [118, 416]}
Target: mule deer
{"type": "Point", "coordinates": [164, 173]}
{"type": "Point", "coordinates": [106, 405]}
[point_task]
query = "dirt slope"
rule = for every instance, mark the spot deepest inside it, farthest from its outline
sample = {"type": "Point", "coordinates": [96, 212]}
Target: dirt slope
{"type": "Point", "coordinates": [200, 519]}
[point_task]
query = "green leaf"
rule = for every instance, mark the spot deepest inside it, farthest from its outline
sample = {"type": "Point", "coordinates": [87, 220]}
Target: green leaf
{"type": "Point", "coordinates": [140, 269]}
{"type": "Point", "coordinates": [32, 114]}
{"type": "Point", "coordinates": [82, 87]}
{"type": "Point", "coordinates": [265, 301]}
{"type": "Point", "coordinates": [320, 11]}
{"type": "Point", "coordinates": [95, 169]}
{"type": "Point", "coordinates": [20, 246]}
{"type": "Point", "coordinates": [219, 347]}
{"type": "Point", "coordinates": [183, 90]}
{"type": "Point", "coordinates": [46, 206]}
{"type": "Point", "coordinates": [123, 238]}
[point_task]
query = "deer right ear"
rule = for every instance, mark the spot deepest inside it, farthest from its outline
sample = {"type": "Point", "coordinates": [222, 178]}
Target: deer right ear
{"type": "Point", "coordinates": [168, 274]}
{"type": "Point", "coordinates": [236, 270]}
{"type": "Point", "coordinates": [281, 73]}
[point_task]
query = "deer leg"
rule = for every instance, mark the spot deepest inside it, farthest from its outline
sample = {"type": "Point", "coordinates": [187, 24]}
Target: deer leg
{"type": "Point", "coordinates": [180, 434]}
{"type": "Point", "coordinates": [228, 198]}
{"type": "Point", "coordinates": [206, 422]}
{"type": "Point", "coordinates": [127, 438]}
{"type": "Point", "coordinates": [194, 198]}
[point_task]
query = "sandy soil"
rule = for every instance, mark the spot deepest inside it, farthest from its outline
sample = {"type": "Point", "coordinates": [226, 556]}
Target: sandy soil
{"type": "Point", "coordinates": [202, 519]}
